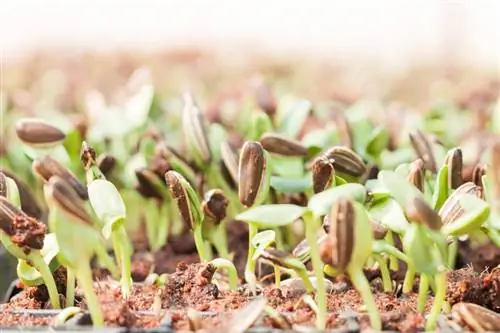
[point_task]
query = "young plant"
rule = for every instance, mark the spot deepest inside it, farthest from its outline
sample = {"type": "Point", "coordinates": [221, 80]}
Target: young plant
{"type": "Point", "coordinates": [189, 209]}
{"type": "Point", "coordinates": [348, 247]}
{"type": "Point", "coordinates": [23, 237]}
{"type": "Point", "coordinates": [72, 225]}
{"type": "Point", "coordinates": [110, 210]}
{"type": "Point", "coordinates": [214, 206]}
{"type": "Point", "coordinates": [221, 263]}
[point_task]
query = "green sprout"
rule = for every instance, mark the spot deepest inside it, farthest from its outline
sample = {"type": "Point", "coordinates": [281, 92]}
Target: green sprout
{"type": "Point", "coordinates": [221, 263]}
{"type": "Point", "coordinates": [23, 237]}
{"type": "Point", "coordinates": [71, 223]}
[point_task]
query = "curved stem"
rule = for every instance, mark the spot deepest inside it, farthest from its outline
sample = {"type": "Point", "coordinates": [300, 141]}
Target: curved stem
{"type": "Point", "coordinates": [384, 271]}
{"type": "Point", "coordinates": [250, 266]}
{"type": "Point", "coordinates": [439, 300]}
{"type": "Point", "coordinates": [423, 289]}
{"type": "Point", "coordinates": [277, 276]}
{"type": "Point", "coordinates": [312, 225]}
{"type": "Point", "coordinates": [231, 271]}
{"type": "Point", "coordinates": [363, 287]}
{"type": "Point", "coordinates": [331, 271]}
{"type": "Point", "coordinates": [70, 286]}
{"type": "Point", "coordinates": [84, 276]}
{"type": "Point", "coordinates": [36, 258]}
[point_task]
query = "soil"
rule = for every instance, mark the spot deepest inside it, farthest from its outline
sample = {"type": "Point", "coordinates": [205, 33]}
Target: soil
{"type": "Point", "coordinates": [193, 287]}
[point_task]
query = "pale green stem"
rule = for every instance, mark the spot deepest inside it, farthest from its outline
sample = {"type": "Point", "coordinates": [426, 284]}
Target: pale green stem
{"type": "Point", "coordinates": [410, 270]}
{"type": "Point", "coordinates": [250, 266]}
{"type": "Point", "coordinates": [290, 236]}
{"type": "Point", "coordinates": [312, 225]}
{"type": "Point", "coordinates": [409, 279]}
{"type": "Point", "coordinates": [423, 289]}
{"type": "Point", "coordinates": [219, 240]}
{"type": "Point", "coordinates": [362, 285]}
{"type": "Point", "coordinates": [452, 253]}
{"type": "Point", "coordinates": [384, 271]}
{"type": "Point", "coordinates": [305, 279]}
{"type": "Point", "coordinates": [439, 300]}
{"type": "Point", "coordinates": [277, 276]}
{"type": "Point", "coordinates": [121, 241]}
{"type": "Point", "coordinates": [200, 244]}
{"type": "Point", "coordinates": [106, 259]}
{"type": "Point", "coordinates": [494, 236]}
{"type": "Point", "coordinates": [163, 225]}
{"type": "Point", "coordinates": [36, 258]}
{"type": "Point", "coordinates": [231, 271]}
{"type": "Point", "coordinates": [280, 244]}
{"type": "Point", "coordinates": [84, 276]}
{"type": "Point", "coordinates": [393, 262]}
{"type": "Point", "coordinates": [70, 286]}
{"type": "Point", "coordinates": [331, 271]}
{"type": "Point", "coordinates": [151, 216]}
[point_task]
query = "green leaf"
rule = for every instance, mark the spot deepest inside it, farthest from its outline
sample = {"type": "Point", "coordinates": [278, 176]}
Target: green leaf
{"type": "Point", "coordinates": [138, 107]}
{"type": "Point", "coordinates": [320, 139]}
{"type": "Point", "coordinates": [391, 215]}
{"type": "Point", "coordinates": [289, 167]}
{"type": "Point", "coordinates": [262, 241]}
{"type": "Point", "coordinates": [399, 187]}
{"type": "Point", "coordinates": [291, 185]}
{"type": "Point", "coordinates": [391, 159]}
{"type": "Point", "coordinates": [272, 216]}
{"type": "Point", "coordinates": [378, 142]}
{"type": "Point", "coordinates": [294, 118]}
{"type": "Point", "coordinates": [28, 275]}
{"type": "Point", "coordinates": [418, 247]}
{"type": "Point", "coordinates": [322, 202]}
{"type": "Point", "coordinates": [440, 188]}
{"type": "Point", "coordinates": [363, 239]}
{"type": "Point", "coordinates": [260, 124]}
{"type": "Point", "coordinates": [107, 204]}
{"type": "Point", "coordinates": [378, 193]}
{"type": "Point", "coordinates": [476, 213]}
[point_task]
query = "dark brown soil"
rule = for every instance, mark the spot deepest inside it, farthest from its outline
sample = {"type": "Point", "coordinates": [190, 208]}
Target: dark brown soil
{"type": "Point", "coordinates": [479, 257]}
{"type": "Point", "coordinates": [195, 287]}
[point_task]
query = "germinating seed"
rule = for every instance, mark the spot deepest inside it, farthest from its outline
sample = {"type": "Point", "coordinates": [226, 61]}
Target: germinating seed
{"type": "Point", "coordinates": [230, 160]}
{"type": "Point", "coordinates": [215, 204]}
{"type": "Point", "coordinates": [476, 317]}
{"type": "Point", "coordinates": [87, 155]}
{"type": "Point", "coordinates": [251, 172]}
{"type": "Point", "coordinates": [46, 167]}
{"type": "Point", "coordinates": [416, 174]}
{"type": "Point", "coordinates": [146, 184]}
{"type": "Point", "coordinates": [477, 174]}
{"type": "Point", "coordinates": [180, 196]}
{"type": "Point", "coordinates": [323, 173]}
{"type": "Point", "coordinates": [341, 235]}
{"type": "Point", "coordinates": [281, 145]}
{"type": "Point", "coordinates": [62, 194]}
{"type": "Point", "coordinates": [419, 211]}
{"type": "Point", "coordinates": [35, 132]}
{"type": "Point", "coordinates": [454, 161]}
{"type": "Point", "coordinates": [422, 147]}
{"type": "Point", "coordinates": [346, 161]}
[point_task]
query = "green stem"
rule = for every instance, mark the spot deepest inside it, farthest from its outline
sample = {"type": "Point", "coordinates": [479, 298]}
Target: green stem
{"type": "Point", "coordinates": [121, 240]}
{"type": "Point", "coordinates": [494, 236]}
{"type": "Point", "coordinates": [250, 266]}
{"type": "Point", "coordinates": [36, 258]}
{"type": "Point", "coordinates": [84, 275]}
{"type": "Point", "coordinates": [70, 286]}
{"type": "Point", "coordinates": [163, 225]}
{"type": "Point", "coordinates": [439, 300]}
{"type": "Point", "coordinates": [231, 271]}
{"type": "Point", "coordinates": [393, 262]}
{"type": "Point", "coordinates": [423, 289]}
{"type": "Point", "coordinates": [200, 244]}
{"type": "Point", "coordinates": [384, 271]}
{"type": "Point", "coordinates": [381, 246]}
{"type": "Point", "coordinates": [219, 240]}
{"type": "Point", "coordinates": [277, 276]}
{"type": "Point", "coordinates": [307, 282]}
{"type": "Point", "coordinates": [409, 279]}
{"type": "Point", "coordinates": [151, 217]}
{"type": "Point", "coordinates": [280, 244]}
{"type": "Point", "coordinates": [452, 253]}
{"type": "Point", "coordinates": [363, 287]}
{"type": "Point", "coordinates": [331, 271]}
{"type": "Point", "coordinates": [106, 259]}
{"type": "Point", "coordinates": [312, 225]}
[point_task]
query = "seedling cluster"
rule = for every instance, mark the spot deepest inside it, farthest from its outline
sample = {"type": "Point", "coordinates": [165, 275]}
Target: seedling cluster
{"type": "Point", "coordinates": [332, 202]}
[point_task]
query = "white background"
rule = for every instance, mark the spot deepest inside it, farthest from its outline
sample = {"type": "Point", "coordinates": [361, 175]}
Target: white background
{"type": "Point", "coordinates": [389, 31]}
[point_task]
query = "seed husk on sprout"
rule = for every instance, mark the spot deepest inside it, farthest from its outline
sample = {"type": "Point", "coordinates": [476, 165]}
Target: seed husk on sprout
{"type": "Point", "coordinates": [346, 161]}
{"type": "Point", "coordinates": [416, 174]}
{"type": "Point", "coordinates": [323, 173]}
{"type": "Point", "coordinates": [454, 161]}
{"type": "Point", "coordinates": [422, 147]}
{"type": "Point", "coordinates": [38, 133]}
{"type": "Point", "coordinates": [251, 172]}
{"type": "Point", "coordinates": [281, 145]}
